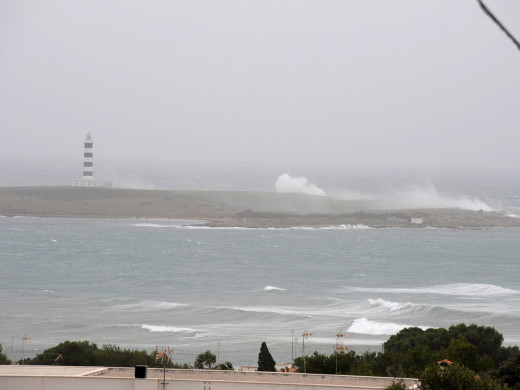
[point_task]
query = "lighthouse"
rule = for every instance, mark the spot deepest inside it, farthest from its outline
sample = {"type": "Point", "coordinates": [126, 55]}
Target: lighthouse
{"type": "Point", "coordinates": [88, 157]}
{"type": "Point", "coordinates": [88, 165]}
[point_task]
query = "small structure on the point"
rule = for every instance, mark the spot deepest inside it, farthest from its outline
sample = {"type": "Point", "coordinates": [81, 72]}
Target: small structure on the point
{"type": "Point", "coordinates": [88, 165]}
{"type": "Point", "coordinates": [416, 221]}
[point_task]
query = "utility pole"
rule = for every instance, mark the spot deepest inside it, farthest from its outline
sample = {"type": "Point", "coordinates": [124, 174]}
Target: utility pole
{"type": "Point", "coordinates": [164, 357]}
{"type": "Point", "coordinates": [304, 335]}
{"type": "Point", "coordinates": [292, 346]}
{"type": "Point", "coordinates": [339, 347]}
{"type": "Point", "coordinates": [24, 339]}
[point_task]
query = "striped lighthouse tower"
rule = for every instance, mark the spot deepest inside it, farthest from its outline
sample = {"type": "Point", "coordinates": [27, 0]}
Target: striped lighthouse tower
{"type": "Point", "coordinates": [88, 158]}
{"type": "Point", "coordinates": [88, 165]}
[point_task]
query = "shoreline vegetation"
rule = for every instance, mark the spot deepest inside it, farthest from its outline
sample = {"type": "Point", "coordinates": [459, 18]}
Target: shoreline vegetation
{"type": "Point", "coordinates": [234, 208]}
{"type": "Point", "coordinates": [459, 357]}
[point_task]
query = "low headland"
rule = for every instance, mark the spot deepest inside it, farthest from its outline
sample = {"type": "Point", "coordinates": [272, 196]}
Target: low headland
{"type": "Point", "coordinates": [234, 208]}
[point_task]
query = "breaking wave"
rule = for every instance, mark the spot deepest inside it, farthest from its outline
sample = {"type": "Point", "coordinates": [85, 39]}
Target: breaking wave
{"type": "Point", "coordinates": [155, 225]}
{"type": "Point", "coordinates": [333, 227]}
{"type": "Point", "coordinates": [376, 328]}
{"type": "Point", "coordinates": [271, 288]}
{"type": "Point", "coordinates": [150, 305]}
{"type": "Point", "coordinates": [168, 329]}
{"type": "Point", "coordinates": [380, 305]}
{"type": "Point", "coordinates": [297, 185]}
{"type": "Point", "coordinates": [460, 289]}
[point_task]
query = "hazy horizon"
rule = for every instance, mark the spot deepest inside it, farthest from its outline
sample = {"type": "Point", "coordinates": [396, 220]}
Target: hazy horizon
{"type": "Point", "coordinates": [425, 87]}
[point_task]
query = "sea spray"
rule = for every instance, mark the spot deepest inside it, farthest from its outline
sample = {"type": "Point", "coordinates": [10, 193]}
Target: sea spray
{"type": "Point", "coordinates": [299, 185]}
{"type": "Point", "coordinates": [428, 196]}
{"type": "Point", "coordinates": [416, 196]}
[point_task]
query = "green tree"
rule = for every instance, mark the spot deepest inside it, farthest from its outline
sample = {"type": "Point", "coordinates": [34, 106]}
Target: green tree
{"type": "Point", "coordinates": [69, 353]}
{"type": "Point", "coordinates": [3, 357]}
{"type": "Point", "coordinates": [408, 338]}
{"type": "Point", "coordinates": [455, 377]}
{"type": "Point", "coordinates": [485, 338]}
{"type": "Point", "coordinates": [114, 356]}
{"type": "Point", "coordinates": [477, 347]}
{"type": "Point", "coordinates": [348, 362]}
{"type": "Point", "coordinates": [396, 386]}
{"type": "Point", "coordinates": [205, 360]}
{"type": "Point", "coordinates": [463, 352]}
{"type": "Point", "coordinates": [84, 353]}
{"type": "Point", "coordinates": [265, 360]}
{"type": "Point", "coordinates": [224, 366]}
{"type": "Point", "coordinates": [317, 363]}
{"type": "Point", "coordinates": [509, 372]}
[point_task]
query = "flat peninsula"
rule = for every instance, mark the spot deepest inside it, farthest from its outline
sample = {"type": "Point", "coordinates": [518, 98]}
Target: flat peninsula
{"type": "Point", "coordinates": [233, 208]}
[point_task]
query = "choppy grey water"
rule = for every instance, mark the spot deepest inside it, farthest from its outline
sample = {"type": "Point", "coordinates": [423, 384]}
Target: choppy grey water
{"type": "Point", "coordinates": [139, 284]}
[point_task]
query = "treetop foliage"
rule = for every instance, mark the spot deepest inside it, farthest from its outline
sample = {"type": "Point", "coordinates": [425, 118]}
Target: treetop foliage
{"type": "Point", "coordinates": [205, 360]}
{"type": "Point", "coordinates": [265, 360]}
{"type": "Point", "coordinates": [3, 357]}
{"type": "Point", "coordinates": [456, 377]}
{"type": "Point", "coordinates": [486, 339]}
{"type": "Point", "coordinates": [408, 353]}
{"type": "Point", "coordinates": [84, 353]}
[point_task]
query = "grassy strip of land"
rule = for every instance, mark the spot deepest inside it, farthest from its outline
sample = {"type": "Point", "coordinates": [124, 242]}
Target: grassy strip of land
{"type": "Point", "coordinates": [231, 208]}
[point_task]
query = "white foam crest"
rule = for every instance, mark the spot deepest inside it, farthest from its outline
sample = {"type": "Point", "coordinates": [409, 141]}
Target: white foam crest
{"type": "Point", "coordinates": [376, 328]}
{"type": "Point", "coordinates": [333, 227]}
{"type": "Point", "coordinates": [460, 289]}
{"type": "Point", "coordinates": [168, 329]}
{"type": "Point", "coordinates": [271, 310]}
{"type": "Point", "coordinates": [271, 288]}
{"type": "Point", "coordinates": [382, 305]}
{"type": "Point", "coordinates": [150, 305]}
{"type": "Point", "coordinates": [337, 310]}
{"type": "Point", "coordinates": [207, 227]}
{"type": "Point", "coordinates": [155, 225]}
{"type": "Point", "coordinates": [513, 216]}
{"type": "Point", "coordinates": [389, 305]}
{"type": "Point", "coordinates": [298, 185]}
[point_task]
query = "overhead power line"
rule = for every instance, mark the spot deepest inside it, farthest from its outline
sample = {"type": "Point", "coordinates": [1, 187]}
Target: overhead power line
{"type": "Point", "coordinates": [494, 18]}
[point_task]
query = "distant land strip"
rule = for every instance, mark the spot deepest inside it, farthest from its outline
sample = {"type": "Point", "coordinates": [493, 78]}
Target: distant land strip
{"type": "Point", "coordinates": [233, 208]}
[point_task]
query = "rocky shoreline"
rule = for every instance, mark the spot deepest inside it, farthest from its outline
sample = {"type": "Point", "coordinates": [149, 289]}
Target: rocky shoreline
{"type": "Point", "coordinates": [234, 209]}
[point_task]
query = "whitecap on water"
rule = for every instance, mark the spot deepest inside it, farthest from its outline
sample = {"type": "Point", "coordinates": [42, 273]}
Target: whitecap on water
{"type": "Point", "coordinates": [168, 329]}
{"type": "Point", "coordinates": [377, 328]}
{"type": "Point", "coordinates": [272, 288]}
{"type": "Point", "coordinates": [459, 289]}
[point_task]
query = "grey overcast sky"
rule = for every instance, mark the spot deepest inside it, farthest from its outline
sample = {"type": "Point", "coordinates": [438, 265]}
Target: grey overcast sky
{"type": "Point", "coordinates": [353, 82]}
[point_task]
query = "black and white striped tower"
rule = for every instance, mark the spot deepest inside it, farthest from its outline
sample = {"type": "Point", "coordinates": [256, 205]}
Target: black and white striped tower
{"type": "Point", "coordinates": [88, 165]}
{"type": "Point", "coordinates": [88, 158]}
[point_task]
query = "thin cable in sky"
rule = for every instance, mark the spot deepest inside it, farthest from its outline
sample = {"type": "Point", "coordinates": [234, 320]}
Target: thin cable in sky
{"type": "Point", "coordinates": [493, 17]}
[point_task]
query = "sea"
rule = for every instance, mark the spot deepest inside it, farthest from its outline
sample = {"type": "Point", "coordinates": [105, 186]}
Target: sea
{"type": "Point", "coordinates": [147, 284]}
